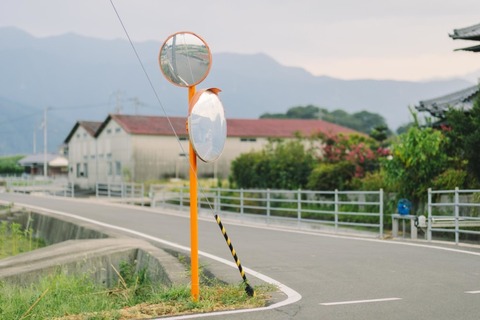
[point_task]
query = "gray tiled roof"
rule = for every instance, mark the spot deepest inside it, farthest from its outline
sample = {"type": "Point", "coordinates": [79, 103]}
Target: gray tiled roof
{"type": "Point", "coordinates": [37, 159]}
{"type": "Point", "coordinates": [462, 99]}
{"type": "Point", "coordinates": [468, 33]}
{"type": "Point", "coordinates": [472, 49]}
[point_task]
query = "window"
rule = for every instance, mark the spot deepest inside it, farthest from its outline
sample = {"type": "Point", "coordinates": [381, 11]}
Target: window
{"type": "Point", "coordinates": [109, 131]}
{"type": "Point", "coordinates": [248, 139]}
{"type": "Point", "coordinates": [117, 130]}
{"type": "Point", "coordinates": [183, 138]}
{"type": "Point", "coordinates": [118, 168]}
{"type": "Point", "coordinates": [110, 168]}
{"type": "Point", "coordinates": [82, 170]}
{"type": "Point", "coordinates": [85, 170]}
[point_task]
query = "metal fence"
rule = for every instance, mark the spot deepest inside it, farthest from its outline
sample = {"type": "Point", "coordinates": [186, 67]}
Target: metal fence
{"type": "Point", "coordinates": [352, 209]}
{"type": "Point", "coordinates": [454, 212]}
{"type": "Point", "coordinates": [129, 192]}
{"type": "Point", "coordinates": [55, 187]}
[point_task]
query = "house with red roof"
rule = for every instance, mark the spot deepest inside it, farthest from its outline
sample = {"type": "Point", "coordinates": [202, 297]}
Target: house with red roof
{"type": "Point", "coordinates": [140, 148]}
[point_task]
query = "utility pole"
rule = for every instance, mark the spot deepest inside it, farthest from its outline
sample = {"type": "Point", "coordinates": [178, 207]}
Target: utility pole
{"type": "Point", "coordinates": [45, 164]}
{"type": "Point", "coordinates": [118, 98]}
{"type": "Point", "coordinates": [35, 140]}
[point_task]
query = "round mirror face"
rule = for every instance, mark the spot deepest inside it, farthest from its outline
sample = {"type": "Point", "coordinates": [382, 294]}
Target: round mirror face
{"type": "Point", "coordinates": [185, 59]}
{"type": "Point", "coordinates": [207, 127]}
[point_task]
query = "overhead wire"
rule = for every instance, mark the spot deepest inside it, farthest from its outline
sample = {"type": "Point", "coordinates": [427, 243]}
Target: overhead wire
{"type": "Point", "coordinates": [250, 291]}
{"type": "Point", "coordinates": [183, 152]}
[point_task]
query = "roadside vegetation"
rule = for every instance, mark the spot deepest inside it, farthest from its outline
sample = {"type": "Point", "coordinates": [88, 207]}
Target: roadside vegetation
{"type": "Point", "coordinates": [14, 240]}
{"type": "Point", "coordinates": [438, 155]}
{"type": "Point", "coordinates": [9, 165]}
{"type": "Point", "coordinates": [73, 297]}
{"type": "Point", "coordinates": [67, 297]}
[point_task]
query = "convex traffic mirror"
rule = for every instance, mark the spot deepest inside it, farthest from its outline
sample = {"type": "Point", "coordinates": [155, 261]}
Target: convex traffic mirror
{"type": "Point", "coordinates": [185, 59]}
{"type": "Point", "coordinates": [207, 127]}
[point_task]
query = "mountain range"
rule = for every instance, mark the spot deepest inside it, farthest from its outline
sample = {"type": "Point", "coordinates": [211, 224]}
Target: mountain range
{"type": "Point", "coordinates": [82, 78]}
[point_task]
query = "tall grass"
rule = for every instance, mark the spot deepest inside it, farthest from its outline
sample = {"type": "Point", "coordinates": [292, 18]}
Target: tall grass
{"type": "Point", "coordinates": [14, 240]}
{"type": "Point", "coordinates": [60, 296]}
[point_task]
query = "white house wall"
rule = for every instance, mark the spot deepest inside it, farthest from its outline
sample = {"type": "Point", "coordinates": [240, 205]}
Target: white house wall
{"type": "Point", "coordinates": [117, 156]}
{"type": "Point", "coordinates": [158, 157]}
{"type": "Point", "coordinates": [114, 154]}
{"type": "Point", "coordinates": [81, 157]}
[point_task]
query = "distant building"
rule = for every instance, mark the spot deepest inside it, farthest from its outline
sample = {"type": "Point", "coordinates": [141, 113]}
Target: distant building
{"type": "Point", "coordinates": [140, 148]}
{"type": "Point", "coordinates": [471, 33]}
{"type": "Point", "coordinates": [460, 100]}
{"type": "Point", "coordinates": [57, 165]}
{"type": "Point", "coordinates": [82, 153]}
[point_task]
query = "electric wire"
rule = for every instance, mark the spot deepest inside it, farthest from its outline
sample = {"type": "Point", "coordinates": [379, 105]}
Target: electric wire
{"type": "Point", "coordinates": [183, 152]}
{"type": "Point", "coordinates": [157, 97]}
{"type": "Point", "coordinates": [248, 288]}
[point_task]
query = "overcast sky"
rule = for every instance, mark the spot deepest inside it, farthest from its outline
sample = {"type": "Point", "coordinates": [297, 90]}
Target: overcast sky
{"type": "Point", "coordinates": [348, 39]}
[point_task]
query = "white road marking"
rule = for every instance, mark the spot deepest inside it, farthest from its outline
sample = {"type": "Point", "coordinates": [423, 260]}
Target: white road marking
{"type": "Point", "coordinates": [358, 301]}
{"type": "Point", "coordinates": [473, 292]}
{"type": "Point", "coordinates": [292, 295]}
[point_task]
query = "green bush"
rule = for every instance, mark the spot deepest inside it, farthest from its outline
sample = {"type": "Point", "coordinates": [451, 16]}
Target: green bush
{"type": "Point", "coordinates": [9, 165]}
{"type": "Point", "coordinates": [331, 176]}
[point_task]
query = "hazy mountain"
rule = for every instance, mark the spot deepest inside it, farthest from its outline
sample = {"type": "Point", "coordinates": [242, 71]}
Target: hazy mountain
{"type": "Point", "coordinates": [82, 78]}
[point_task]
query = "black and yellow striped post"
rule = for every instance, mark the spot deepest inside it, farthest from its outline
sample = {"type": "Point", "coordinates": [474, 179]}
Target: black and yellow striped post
{"type": "Point", "coordinates": [248, 288]}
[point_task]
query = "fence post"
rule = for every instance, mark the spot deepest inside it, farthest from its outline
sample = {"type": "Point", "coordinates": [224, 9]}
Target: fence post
{"type": "Point", "coordinates": [336, 210]}
{"type": "Point", "coordinates": [381, 213]}
{"type": "Point", "coordinates": [181, 198]}
{"type": "Point", "coordinates": [108, 189]}
{"type": "Point", "coordinates": [457, 213]}
{"type": "Point", "coordinates": [268, 203]}
{"type": "Point", "coordinates": [218, 200]}
{"type": "Point", "coordinates": [96, 189]}
{"type": "Point", "coordinates": [241, 201]}
{"type": "Point", "coordinates": [142, 194]}
{"type": "Point", "coordinates": [429, 211]}
{"type": "Point", "coordinates": [299, 205]}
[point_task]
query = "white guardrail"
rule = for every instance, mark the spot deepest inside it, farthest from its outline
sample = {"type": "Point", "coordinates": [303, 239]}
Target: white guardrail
{"type": "Point", "coordinates": [454, 211]}
{"type": "Point", "coordinates": [128, 192]}
{"type": "Point", "coordinates": [354, 209]}
{"type": "Point", "coordinates": [54, 187]}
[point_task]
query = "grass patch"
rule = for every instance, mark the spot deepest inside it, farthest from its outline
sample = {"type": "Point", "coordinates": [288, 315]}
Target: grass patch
{"type": "Point", "coordinates": [14, 240]}
{"type": "Point", "coordinates": [60, 296]}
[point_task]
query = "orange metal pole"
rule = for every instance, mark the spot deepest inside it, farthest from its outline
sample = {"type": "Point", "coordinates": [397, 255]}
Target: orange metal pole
{"type": "Point", "coordinates": [195, 289]}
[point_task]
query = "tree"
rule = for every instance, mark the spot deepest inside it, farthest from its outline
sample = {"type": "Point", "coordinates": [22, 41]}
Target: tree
{"type": "Point", "coordinates": [308, 112]}
{"type": "Point", "coordinates": [343, 159]}
{"type": "Point", "coordinates": [281, 165]}
{"type": "Point", "coordinates": [331, 176]}
{"type": "Point", "coordinates": [9, 165]}
{"type": "Point", "coordinates": [379, 133]}
{"type": "Point", "coordinates": [368, 121]}
{"type": "Point", "coordinates": [418, 157]}
{"type": "Point", "coordinates": [362, 121]}
{"type": "Point", "coordinates": [463, 129]}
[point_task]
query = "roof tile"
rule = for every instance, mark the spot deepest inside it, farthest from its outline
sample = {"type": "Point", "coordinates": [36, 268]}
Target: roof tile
{"type": "Point", "coordinates": [272, 128]}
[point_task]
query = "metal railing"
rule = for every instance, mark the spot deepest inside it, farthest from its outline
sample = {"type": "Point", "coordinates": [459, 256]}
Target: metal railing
{"type": "Point", "coordinates": [454, 211]}
{"type": "Point", "coordinates": [55, 187]}
{"type": "Point", "coordinates": [130, 192]}
{"type": "Point", "coordinates": [353, 209]}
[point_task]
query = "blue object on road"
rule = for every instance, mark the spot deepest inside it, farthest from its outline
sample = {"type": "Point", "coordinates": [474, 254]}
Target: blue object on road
{"type": "Point", "coordinates": [404, 206]}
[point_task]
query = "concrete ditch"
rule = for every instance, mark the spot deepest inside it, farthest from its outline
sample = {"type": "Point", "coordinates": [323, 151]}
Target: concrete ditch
{"type": "Point", "coordinates": [78, 248]}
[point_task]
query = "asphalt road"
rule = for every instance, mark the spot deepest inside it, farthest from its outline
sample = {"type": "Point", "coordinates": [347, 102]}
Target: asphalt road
{"type": "Point", "coordinates": [337, 277]}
